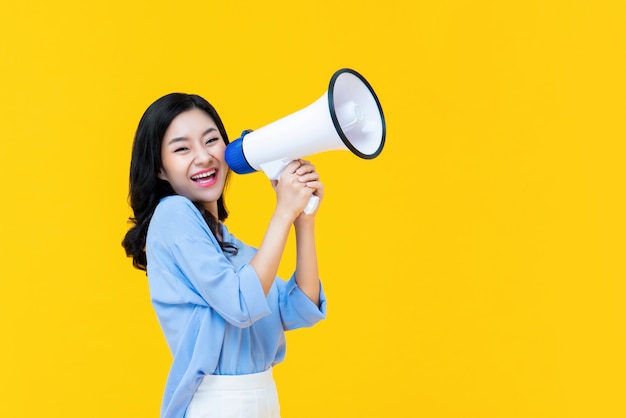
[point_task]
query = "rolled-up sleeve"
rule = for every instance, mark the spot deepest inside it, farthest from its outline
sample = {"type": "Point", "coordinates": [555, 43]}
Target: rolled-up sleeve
{"type": "Point", "coordinates": [296, 309]}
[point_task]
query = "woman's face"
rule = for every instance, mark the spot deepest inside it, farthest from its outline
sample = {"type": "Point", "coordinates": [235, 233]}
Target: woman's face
{"type": "Point", "coordinates": [192, 154]}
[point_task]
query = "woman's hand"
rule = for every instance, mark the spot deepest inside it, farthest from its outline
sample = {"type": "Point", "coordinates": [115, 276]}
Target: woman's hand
{"type": "Point", "coordinates": [310, 177]}
{"type": "Point", "coordinates": [298, 182]}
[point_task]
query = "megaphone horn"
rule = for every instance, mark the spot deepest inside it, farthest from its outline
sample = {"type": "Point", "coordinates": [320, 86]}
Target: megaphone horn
{"type": "Point", "coordinates": [347, 117]}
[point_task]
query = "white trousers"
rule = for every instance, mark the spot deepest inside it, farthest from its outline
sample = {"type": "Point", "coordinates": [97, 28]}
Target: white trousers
{"type": "Point", "coordinates": [241, 396]}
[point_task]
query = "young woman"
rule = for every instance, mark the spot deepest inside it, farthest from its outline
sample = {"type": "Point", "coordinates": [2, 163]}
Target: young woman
{"type": "Point", "coordinates": [221, 308]}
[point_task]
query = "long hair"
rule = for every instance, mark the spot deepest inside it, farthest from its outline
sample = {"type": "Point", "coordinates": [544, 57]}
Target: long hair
{"type": "Point", "coordinates": [145, 188]}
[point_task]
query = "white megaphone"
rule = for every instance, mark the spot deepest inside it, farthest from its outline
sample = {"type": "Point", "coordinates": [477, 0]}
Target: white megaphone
{"type": "Point", "coordinates": [347, 117]}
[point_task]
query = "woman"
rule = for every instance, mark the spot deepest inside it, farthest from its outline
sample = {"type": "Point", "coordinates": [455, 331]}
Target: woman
{"type": "Point", "coordinates": [221, 308]}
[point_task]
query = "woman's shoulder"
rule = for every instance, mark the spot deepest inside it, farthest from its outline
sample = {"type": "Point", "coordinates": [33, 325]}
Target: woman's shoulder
{"type": "Point", "coordinates": [175, 204]}
{"type": "Point", "coordinates": [176, 211]}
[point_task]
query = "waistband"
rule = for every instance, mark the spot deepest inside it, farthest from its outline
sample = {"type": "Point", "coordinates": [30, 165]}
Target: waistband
{"type": "Point", "coordinates": [237, 382]}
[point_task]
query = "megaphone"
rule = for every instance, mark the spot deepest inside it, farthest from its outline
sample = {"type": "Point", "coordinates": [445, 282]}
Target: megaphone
{"type": "Point", "coordinates": [347, 117]}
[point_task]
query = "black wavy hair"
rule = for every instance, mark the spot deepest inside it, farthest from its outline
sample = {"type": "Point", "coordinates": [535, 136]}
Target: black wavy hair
{"type": "Point", "coordinates": [145, 188]}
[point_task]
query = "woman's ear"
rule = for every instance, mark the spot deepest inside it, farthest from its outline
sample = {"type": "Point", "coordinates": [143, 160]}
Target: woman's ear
{"type": "Point", "coordinates": [161, 175]}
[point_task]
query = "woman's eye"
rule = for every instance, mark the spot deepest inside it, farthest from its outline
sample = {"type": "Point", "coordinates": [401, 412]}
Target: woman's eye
{"type": "Point", "coordinates": [210, 140]}
{"type": "Point", "coordinates": [180, 149]}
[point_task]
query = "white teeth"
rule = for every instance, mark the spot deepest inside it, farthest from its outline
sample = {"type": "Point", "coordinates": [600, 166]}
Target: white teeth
{"type": "Point", "coordinates": [203, 175]}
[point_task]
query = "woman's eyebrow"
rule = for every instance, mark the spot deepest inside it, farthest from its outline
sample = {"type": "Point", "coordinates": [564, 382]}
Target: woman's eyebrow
{"type": "Point", "coordinates": [182, 138]}
{"type": "Point", "coordinates": [177, 139]}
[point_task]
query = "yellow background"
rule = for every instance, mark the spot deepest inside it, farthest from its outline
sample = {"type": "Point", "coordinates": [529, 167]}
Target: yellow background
{"type": "Point", "coordinates": [475, 269]}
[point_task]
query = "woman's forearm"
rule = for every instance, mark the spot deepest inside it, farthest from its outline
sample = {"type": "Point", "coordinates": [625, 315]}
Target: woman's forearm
{"type": "Point", "coordinates": [307, 274]}
{"type": "Point", "coordinates": [267, 259]}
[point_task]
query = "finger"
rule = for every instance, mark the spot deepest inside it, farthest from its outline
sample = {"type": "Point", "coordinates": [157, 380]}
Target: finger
{"type": "Point", "coordinates": [293, 167]}
{"type": "Point", "coordinates": [306, 171]}
{"type": "Point", "coordinates": [305, 167]}
{"type": "Point", "coordinates": [305, 178]}
{"type": "Point", "coordinates": [315, 185]}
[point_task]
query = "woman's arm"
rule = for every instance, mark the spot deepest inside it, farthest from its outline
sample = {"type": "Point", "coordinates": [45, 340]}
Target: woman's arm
{"type": "Point", "coordinates": [294, 188]}
{"type": "Point", "coordinates": [307, 275]}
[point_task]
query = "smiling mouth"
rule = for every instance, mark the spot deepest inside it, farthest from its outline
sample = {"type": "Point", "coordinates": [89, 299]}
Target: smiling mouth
{"type": "Point", "coordinates": [204, 177]}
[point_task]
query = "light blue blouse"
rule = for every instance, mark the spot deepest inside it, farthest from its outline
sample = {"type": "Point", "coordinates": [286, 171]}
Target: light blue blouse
{"type": "Point", "coordinates": [211, 306]}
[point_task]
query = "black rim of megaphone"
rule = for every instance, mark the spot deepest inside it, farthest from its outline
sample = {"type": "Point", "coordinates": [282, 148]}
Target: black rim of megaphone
{"type": "Point", "coordinates": [333, 114]}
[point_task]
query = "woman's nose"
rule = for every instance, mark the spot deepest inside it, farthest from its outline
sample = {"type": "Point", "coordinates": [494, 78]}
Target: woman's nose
{"type": "Point", "coordinates": [203, 156]}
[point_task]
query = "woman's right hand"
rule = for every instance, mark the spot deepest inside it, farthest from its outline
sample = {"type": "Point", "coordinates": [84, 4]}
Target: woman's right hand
{"type": "Point", "coordinates": [292, 191]}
